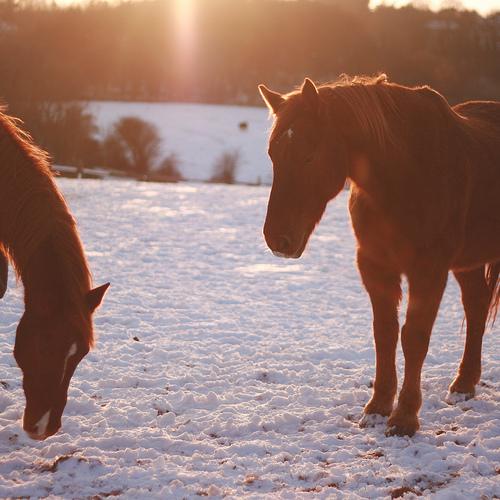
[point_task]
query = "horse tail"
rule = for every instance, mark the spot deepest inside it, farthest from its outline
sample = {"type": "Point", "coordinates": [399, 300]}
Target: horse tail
{"type": "Point", "coordinates": [492, 274]}
{"type": "Point", "coordinates": [4, 272]}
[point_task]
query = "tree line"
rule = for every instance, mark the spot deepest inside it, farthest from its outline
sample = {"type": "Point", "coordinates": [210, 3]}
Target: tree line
{"type": "Point", "coordinates": [137, 50]}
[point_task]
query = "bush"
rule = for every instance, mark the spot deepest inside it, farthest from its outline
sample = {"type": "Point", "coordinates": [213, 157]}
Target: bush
{"type": "Point", "coordinates": [225, 168]}
{"type": "Point", "coordinates": [133, 145]}
{"type": "Point", "coordinates": [66, 130]}
{"type": "Point", "coordinates": [115, 154]}
{"type": "Point", "coordinates": [169, 169]}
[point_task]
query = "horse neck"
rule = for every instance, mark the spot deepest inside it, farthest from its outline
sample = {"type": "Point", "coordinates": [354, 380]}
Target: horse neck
{"type": "Point", "coordinates": [361, 127]}
{"type": "Point", "coordinates": [367, 164]}
{"type": "Point", "coordinates": [418, 179]}
{"type": "Point", "coordinates": [36, 228]}
{"type": "Point", "coordinates": [40, 276]}
{"type": "Point", "coordinates": [28, 195]}
{"type": "Point", "coordinates": [394, 133]}
{"type": "Point", "coordinates": [51, 277]}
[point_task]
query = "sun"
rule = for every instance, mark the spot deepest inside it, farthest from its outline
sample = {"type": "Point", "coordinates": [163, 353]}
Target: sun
{"type": "Point", "coordinates": [184, 14]}
{"type": "Point", "coordinates": [184, 31]}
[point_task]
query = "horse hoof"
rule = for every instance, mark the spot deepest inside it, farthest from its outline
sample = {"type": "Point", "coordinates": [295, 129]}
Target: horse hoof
{"type": "Point", "coordinates": [375, 407]}
{"type": "Point", "coordinates": [454, 397]}
{"type": "Point", "coordinates": [371, 420]}
{"type": "Point", "coordinates": [400, 430]}
{"type": "Point", "coordinates": [402, 426]}
{"type": "Point", "coordinates": [460, 391]}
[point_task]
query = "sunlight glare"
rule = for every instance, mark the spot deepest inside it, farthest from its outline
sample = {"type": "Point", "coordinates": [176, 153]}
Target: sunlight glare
{"type": "Point", "coordinates": [185, 35]}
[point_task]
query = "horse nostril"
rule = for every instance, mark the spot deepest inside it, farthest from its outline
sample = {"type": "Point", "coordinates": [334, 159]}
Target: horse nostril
{"type": "Point", "coordinates": [283, 244]}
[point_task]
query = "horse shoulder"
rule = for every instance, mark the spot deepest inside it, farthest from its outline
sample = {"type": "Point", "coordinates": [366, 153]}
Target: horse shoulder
{"type": "Point", "coordinates": [378, 234]}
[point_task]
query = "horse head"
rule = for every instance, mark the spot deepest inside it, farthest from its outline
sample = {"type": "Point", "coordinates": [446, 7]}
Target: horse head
{"type": "Point", "coordinates": [51, 340]}
{"type": "Point", "coordinates": [309, 167]}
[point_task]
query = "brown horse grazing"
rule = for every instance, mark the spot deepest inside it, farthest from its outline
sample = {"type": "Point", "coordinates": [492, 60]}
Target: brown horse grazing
{"type": "Point", "coordinates": [38, 235]}
{"type": "Point", "coordinates": [425, 199]}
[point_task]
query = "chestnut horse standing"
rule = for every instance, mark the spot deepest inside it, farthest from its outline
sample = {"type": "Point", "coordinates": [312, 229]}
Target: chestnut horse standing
{"type": "Point", "coordinates": [38, 235]}
{"type": "Point", "coordinates": [425, 199]}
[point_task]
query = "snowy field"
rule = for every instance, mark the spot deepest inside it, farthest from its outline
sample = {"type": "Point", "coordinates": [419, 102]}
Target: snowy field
{"type": "Point", "coordinates": [220, 370]}
{"type": "Point", "coordinates": [199, 134]}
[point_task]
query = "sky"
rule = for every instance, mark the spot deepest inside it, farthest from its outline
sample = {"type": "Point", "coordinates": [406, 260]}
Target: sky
{"type": "Point", "coordinates": [483, 6]}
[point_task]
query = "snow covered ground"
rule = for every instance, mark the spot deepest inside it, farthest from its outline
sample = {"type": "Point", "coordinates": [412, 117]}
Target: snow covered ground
{"type": "Point", "coordinates": [199, 134]}
{"type": "Point", "coordinates": [220, 370]}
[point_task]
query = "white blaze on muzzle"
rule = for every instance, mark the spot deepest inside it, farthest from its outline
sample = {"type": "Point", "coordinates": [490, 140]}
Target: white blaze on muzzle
{"type": "Point", "coordinates": [41, 425]}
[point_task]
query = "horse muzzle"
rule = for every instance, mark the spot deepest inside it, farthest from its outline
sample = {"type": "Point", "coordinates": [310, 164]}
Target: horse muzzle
{"type": "Point", "coordinates": [287, 256]}
{"type": "Point", "coordinates": [285, 246]}
{"type": "Point", "coordinates": [41, 428]}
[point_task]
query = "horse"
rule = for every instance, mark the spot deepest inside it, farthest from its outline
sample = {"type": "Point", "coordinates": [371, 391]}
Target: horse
{"type": "Point", "coordinates": [424, 200]}
{"type": "Point", "coordinates": [38, 236]}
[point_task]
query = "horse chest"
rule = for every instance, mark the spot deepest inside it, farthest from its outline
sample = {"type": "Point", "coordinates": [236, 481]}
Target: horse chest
{"type": "Point", "coordinates": [378, 236]}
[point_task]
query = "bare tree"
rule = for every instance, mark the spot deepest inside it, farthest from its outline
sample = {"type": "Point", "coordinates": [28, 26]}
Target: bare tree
{"type": "Point", "coordinates": [224, 170]}
{"type": "Point", "coordinates": [133, 145]}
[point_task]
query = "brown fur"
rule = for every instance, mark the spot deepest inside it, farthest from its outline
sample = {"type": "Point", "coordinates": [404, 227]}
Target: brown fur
{"type": "Point", "coordinates": [425, 199]}
{"type": "Point", "coordinates": [33, 213]}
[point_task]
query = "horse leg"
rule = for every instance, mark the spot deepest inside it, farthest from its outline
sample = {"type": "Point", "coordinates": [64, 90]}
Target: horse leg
{"type": "Point", "coordinates": [426, 287]}
{"type": "Point", "coordinates": [476, 299]}
{"type": "Point", "coordinates": [384, 288]}
{"type": "Point", "coordinates": [4, 273]}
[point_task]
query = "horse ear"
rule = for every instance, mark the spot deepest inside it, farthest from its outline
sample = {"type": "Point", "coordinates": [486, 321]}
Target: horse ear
{"type": "Point", "coordinates": [310, 94]}
{"type": "Point", "coordinates": [272, 99]}
{"type": "Point", "coordinates": [94, 297]}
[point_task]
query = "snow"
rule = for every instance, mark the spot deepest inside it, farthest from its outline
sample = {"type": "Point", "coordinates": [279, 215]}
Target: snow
{"type": "Point", "coordinates": [221, 370]}
{"type": "Point", "coordinates": [198, 134]}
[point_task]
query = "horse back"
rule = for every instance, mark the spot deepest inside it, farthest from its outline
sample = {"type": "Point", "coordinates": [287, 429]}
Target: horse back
{"type": "Point", "coordinates": [482, 225]}
{"type": "Point", "coordinates": [486, 111]}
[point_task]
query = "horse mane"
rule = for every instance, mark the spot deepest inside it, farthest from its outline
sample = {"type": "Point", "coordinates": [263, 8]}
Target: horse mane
{"type": "Point", "coordinates": [370, 103]}
{"type": "Point", "coordinates": [35, 213]}
{"type": "Point", "coordinates": [373, 104]}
